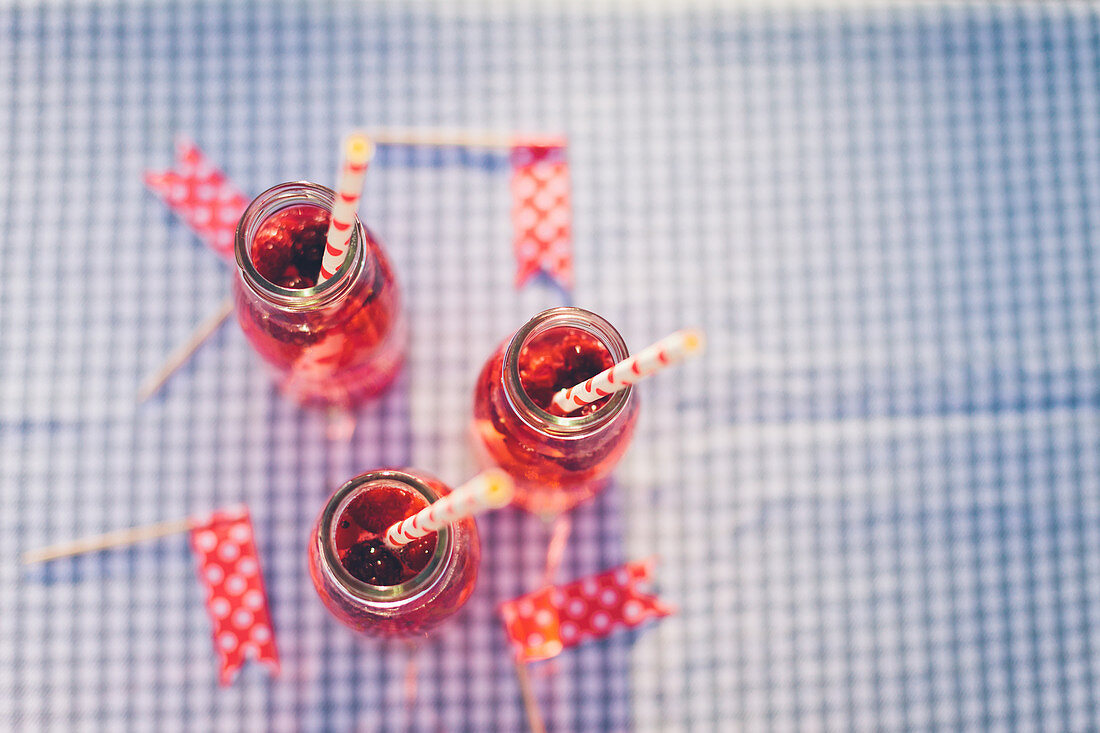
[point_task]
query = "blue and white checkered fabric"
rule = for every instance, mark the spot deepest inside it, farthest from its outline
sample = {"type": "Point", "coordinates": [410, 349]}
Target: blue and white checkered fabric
{"type": "Point", "coordinates": [876, 500]}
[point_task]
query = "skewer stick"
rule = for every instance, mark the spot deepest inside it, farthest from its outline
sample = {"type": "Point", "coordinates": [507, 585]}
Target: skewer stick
{"type": "Point", "coordinates": [441, 136]}
{"type": "Point", "coordinates": [184, 351]}
{"type": "Point", "coordinates": [530, 704]}
{"type": "Point", "coordinates": [559, 538]}
{"type": "Point", "coordinates": [118, 538]}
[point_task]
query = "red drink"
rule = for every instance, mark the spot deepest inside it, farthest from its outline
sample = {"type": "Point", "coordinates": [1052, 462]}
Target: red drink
{"type": "Point", "coordinates": [334, 344]}
{"type": "Point", "coordinates": [383, 592]}
{"type": "Point", "coordinates": [557, 460]}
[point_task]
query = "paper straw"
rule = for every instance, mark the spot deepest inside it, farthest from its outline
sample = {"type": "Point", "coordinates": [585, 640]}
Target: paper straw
{"type": "Point", "coordinates": [358, 150]}
{"type": "Point", "coordinates": [490, 489]}
{"type": "Point", "coordinates": [650, 360]}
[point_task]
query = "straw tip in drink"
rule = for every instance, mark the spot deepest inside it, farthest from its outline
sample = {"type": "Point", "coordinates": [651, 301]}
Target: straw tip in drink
{"type": "Point", "coordinates": [499, 487]}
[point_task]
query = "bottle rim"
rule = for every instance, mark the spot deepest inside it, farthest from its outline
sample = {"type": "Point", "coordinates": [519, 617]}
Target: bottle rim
{"type": "Point", "coordinates": [526, 408]}
{"type": "Point", "coordinates": [272, 201]}
{"type": "Point", "coordinates": [368, 593]}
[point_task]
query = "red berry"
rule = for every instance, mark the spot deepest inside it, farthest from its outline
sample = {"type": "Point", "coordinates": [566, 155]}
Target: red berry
{"type": "Point", "coordinates": [270, 253]}
{"type": "Point", "coordinates": [371, 562]}
{"type": "Point", "coordinates": [382, 507]}
{"type": "Point", "coordinates": [289, 246]}
{"type": "Point", "coordinates": [417, 553]}
{"type": "Point", "coordinates": [348, 533]}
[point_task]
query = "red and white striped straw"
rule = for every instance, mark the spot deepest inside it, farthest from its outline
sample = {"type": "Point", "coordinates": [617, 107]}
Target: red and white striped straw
{"type": "Point", "coordinates": [490, 489]}
{"type": "Point", "coordinates": [358, 150]}
{"type": "Point", "coordinates": [668, 351]}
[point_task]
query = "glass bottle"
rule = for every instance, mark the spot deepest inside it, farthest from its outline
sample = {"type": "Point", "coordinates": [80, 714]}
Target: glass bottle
{"type": "Point", "coordinates": [335, 344]}
{"type": "Point", "coordinates": [439, 583]}
{"type": "Point", "coordinates": [557, 461]}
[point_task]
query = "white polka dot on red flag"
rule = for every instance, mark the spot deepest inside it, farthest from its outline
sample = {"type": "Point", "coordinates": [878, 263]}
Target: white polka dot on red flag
{"type": "Point", "coordinates": [242, 618]}
{"type": "Point", "coordinates": [248, 567]}
{"type": "Point", "coordinates": [227, 641]}
{"type": "Point", "coordinates": [529, 249]}
{"type": "Point", "coordinates": [240, 533]}
{"type": "Point", "coordinates": [253, 599]}
{"type": "Point", "coordinates": [228, 551]}
{"type": "Point", "coordinates": [228, 214]}
{"type": "Point", "coordinates": [546, 232]}
{"type": "Point", "coordinates": [545, 201]}
{"type": "Point", "coordinates": [526, 218]}
{"type": "Point", "coordinates": [558, 217]}
{"type": "Point", "coordinates": [524, 187]}
{"type": "Point", "coordinates": [235, 585]}
{"type": "Point", "coordinates": [201, 216]}
{"type": "Point", "coordinates": [220, 607]}
{"type": "Point", "coordinates": [206, 541]}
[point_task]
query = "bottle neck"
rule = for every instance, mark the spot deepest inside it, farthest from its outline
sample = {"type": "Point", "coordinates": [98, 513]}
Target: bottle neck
{"type": "Point", "coordinates": [380, 595]}
{"type": "Point", "coordinates": [268, 203]}
{"type": "Point", "coordinates": [530, 412]}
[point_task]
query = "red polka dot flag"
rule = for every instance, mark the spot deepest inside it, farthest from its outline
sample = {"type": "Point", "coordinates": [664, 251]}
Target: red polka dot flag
{"type": "Point", "coordinates": [202, 196]}
{"type": "Point", "coordinates": [543, 623]}
{"type": "Point", "coordinates": [542, 212]}
{"type": "Point", "coordinates": [230, 571]}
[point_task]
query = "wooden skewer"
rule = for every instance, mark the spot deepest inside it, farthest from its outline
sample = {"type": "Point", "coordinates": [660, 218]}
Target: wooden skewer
{"type": "Point", "coordinates": [440, 136]}
{"type": "Point", "coordinates": [559, 538]}
{"type": "Point", "coordinates": [530, 704]}
{"type": "Point", "coordinates": [118, 538]}
{"type": "Point", "coordinates": [184, 351]}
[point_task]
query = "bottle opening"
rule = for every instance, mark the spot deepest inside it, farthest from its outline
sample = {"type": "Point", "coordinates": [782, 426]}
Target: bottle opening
{"type": "Point", "coordinates": [280, 234]}
{"type": "Point", "coordinates": [353, 524]}
{"type": "Point", "coordinates": [556, 349]}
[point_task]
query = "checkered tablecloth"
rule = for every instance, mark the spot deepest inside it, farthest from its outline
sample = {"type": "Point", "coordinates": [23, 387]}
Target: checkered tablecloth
{"type": "Point", "coordinates": [876, 499]}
